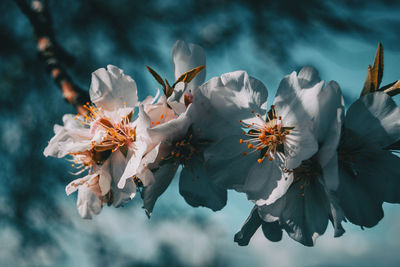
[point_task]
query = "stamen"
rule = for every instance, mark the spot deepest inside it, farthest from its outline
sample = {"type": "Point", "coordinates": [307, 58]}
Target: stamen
{"type": "Point", "coordinates": [267, 136]}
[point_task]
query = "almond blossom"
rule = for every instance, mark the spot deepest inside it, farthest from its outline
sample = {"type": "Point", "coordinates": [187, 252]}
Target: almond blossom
{"type": "Point", "coordinates": [109, 142]}
{"type": "Point", "coordinates": [368, 169]}
{"type": "Point", "coordinates": [287, 163]}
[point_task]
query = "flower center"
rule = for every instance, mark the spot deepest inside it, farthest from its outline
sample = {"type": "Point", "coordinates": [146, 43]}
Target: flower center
{"type": "Point", "coordinates": [186, 148]}
{"type": "Point", "coordinates": [307, 173]}
{"type": "Point", "coordinates": [268, 136]}
{"type": "Point", "coordinates": [108, 136]}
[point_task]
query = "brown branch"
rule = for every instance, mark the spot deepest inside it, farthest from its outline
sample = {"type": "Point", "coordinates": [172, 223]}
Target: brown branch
{"type": "Point", "coordinates": [51, 53]}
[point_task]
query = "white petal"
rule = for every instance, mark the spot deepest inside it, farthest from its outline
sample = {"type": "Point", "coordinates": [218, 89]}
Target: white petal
{"type": "Point", "coordinates": [120, 196]}
{"type": "Point", "coordinates": [276, 184]}
{"type": "Point", "coordinates": [300, 145]}
{"type": "Point", "coordinates": [72, 137]}
{"type": "Point", "coordinates": [111, 88]}
{"type": "Point", "coordinates": [88, 203]}
{"type": "Point", "coordinates": [187, 58]}
{"type": "Point", "coordinates": [235, 94]}
{"type": "Point", "coordinates": [105, 178]}
{"type": "Point", "coordinates": [375, 118]}
{"type": "Point", "coordinates": [133, 163]}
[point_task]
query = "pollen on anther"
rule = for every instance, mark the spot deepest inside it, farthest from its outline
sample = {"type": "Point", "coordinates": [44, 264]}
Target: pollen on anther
{"type": "Point", "coordinates": [241, 141]}
{"type": "Point", "coordinates": [250, 146]}
{"type": "Point", "coordinates": [162, 116]}
{"type": "Point", "coordinates": [240, 121]}
{"type": "Point", "coordinates": [259, 161]}
{"type": "Point", "coordinates": [302, 194]}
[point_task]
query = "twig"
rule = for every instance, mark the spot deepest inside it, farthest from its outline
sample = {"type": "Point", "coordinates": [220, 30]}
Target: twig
{"type": "Point", "coordinates": [52, 54]}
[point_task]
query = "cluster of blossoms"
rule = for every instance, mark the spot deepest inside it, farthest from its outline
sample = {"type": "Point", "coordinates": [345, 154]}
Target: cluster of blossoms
{"type": "Point", "coordinates": [302, 161]}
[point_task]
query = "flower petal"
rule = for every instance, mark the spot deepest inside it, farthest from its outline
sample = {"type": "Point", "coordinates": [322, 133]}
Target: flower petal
{"type": "Point", "coordinates": [304, 218]}
{"type": "Point", "coordinates": [266, 183]}
{"type": "Point", "coordinates": [186, 58]}
{"type": "Point", "coordinates": [198, 190]}
{"type": "Point", "coordinates": [120, 196]}
{"type": "Point", "coordinates": [234, 95]}
{"type": "Point", "coordinates": [133, 163]}
{"type": "Point", "coordinates": [158, 183]}
{"type": "Point", "coordinates": [88, 203]}
{"type": "Point", "coordinates": [375, 119]}
{"type": "Point", "coordinates": [111, 88]}
{"type": "Point", "coordinates": [226, 165]}
{"type": "Point", "coordinates": [69, 138]}
{"type": "Point", "coordinates": [371, 179]}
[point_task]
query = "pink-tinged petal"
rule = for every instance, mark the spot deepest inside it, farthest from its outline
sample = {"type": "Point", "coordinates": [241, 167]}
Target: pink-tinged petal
{"type": "Point", "coordinates": [75, 184]}
{"type": "Point", "coordinates": [171, 130]}
{"type": "Point", "coordinates": [105, 178]}
{"type": "Point", "coordinates": [111, 88]}
{"type": "Point", "coordinates": [120, 196]}
{"type": "Point", "coordinates": [133, 163]}
{"type": "Point", "coordinates": [88, 203]}
{"type": "Point", "coordinates": [69, 138]}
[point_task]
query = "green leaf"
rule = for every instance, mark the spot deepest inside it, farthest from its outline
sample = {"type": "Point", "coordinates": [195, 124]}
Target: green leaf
{"type": "Point", "coordinates": [374, 73]}
{"type": "Point", "coordinates": [188, 76]}
{"type": "Point", "coordinates": [156, 76]}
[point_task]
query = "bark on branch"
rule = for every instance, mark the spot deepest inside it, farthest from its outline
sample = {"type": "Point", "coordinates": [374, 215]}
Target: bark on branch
{"type": "Point", "coordinates": [55, 58]}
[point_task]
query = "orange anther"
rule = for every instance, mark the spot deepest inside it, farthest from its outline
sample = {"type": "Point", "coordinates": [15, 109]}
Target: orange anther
{"type": "Point", "coordinates": [250, 146]}
{"type": "Point", "coordinates": [259, 161]}
{"type": "Point", "coordinates": [241, 141]}
{"type": "Point", "coordinates": [244, 153]}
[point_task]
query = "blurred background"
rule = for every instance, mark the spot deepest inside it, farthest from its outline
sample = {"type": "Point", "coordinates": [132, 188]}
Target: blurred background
{"type": "Point", "coordinates": [39, 224]}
